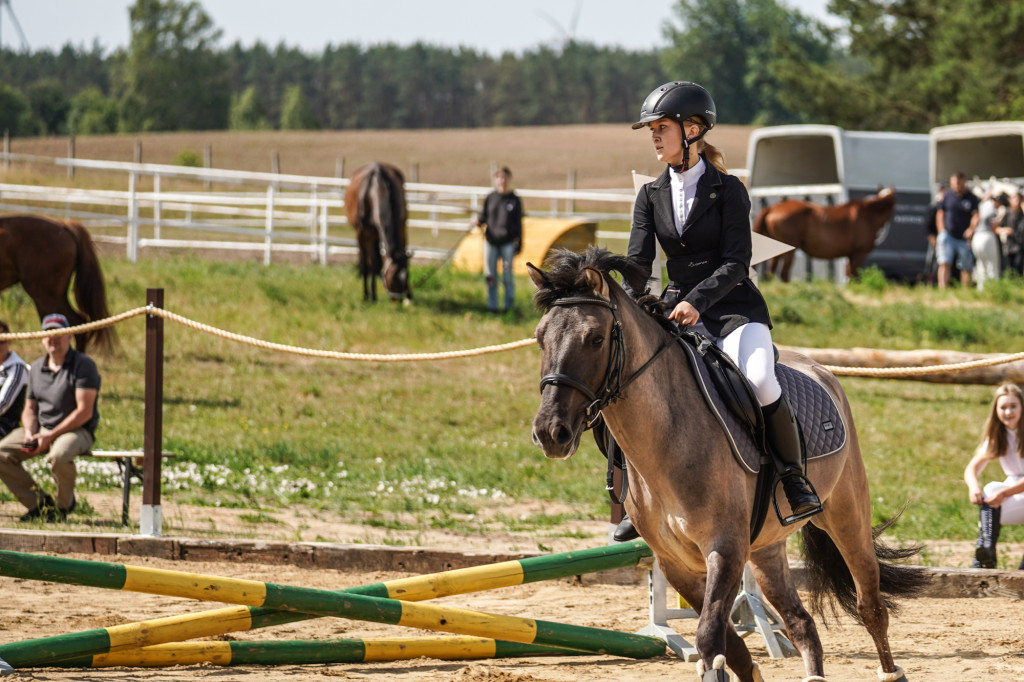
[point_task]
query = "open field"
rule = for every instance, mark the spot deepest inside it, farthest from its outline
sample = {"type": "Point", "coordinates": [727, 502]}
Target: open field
{"type": "Point", "coordinates": [540, 157]}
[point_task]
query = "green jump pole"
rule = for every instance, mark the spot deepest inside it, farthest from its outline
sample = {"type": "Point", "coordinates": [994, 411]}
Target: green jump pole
{"type": "Point", "coordinates": [275, 598]}
{"type": "Point", "coordinates": [301, 652]}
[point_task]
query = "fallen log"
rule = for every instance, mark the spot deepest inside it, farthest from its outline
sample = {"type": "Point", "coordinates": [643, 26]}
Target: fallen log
{"type": "Point", "coordinates": [936, 366]}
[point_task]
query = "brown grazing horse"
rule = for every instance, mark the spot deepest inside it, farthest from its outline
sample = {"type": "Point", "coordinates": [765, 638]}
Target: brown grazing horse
{"type": "Point", "coordinates": [845, 231]}
{"type": "Point", "coordinates": [376, 209]}
{"type": "Point", "coordinates": [688, 495]}
{"type": "Point", "coordinates": [43, 254]}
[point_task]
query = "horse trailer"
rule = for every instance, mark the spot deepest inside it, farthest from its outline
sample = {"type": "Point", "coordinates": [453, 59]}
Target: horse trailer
{"type": "Point", "coordinates": [828, 165]}
{"type": "Point", "coordinates": [978, 150]}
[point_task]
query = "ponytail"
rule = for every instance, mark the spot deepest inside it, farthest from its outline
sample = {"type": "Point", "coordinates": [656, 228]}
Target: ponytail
{"type": "Point", "coordinates": [714, 156]}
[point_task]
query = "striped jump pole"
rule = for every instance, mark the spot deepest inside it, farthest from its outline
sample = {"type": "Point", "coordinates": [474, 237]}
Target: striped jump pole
{"type": "Point", "coordinates": [316, 602]}
{"type": "Point", "coordinates": [301, 652]}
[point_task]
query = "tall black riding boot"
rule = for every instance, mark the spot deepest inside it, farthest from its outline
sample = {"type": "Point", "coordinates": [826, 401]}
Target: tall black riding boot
{"type": "Point", "coordinates": [988, 536]}
{"type": "Point", "coordinates": [785, 443]}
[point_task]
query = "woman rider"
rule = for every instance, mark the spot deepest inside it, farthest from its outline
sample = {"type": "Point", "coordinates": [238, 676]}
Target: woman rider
{"type": "Point", "coordinates": [700, 215]}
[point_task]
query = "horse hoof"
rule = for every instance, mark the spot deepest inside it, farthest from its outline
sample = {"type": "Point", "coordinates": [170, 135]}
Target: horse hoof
{"type": "Point", "coordinates": [716, 673]}
{"type": "Point", "coordinates": [895, 676]}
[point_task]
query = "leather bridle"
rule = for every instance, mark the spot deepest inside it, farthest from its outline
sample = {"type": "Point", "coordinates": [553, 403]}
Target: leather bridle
{"type": "Point", "coordinates": [612, 385]}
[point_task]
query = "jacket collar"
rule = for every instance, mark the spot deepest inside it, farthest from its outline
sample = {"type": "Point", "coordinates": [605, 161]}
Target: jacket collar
{"type": "Point", "coordinates": [708, 192]}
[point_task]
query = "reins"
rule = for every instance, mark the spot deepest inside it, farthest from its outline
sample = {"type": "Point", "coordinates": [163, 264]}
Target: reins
{"type": "Point", "coordinates": [612, 385]}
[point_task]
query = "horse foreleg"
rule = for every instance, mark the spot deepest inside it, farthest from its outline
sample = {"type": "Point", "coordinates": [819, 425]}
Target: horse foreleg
{"type": "Point", "coordinates": [771, 570]}
{"type": "Point", "coordinates": [692, 588]}
{"type": "Point", "coordinates": [715, 632]}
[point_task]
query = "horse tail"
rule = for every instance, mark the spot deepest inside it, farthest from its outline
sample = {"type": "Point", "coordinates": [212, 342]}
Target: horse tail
{"type": "Point", "coordinates": [759, 223]}
{"type": "Point", "coordinates": [829, 580]}
{"type": "Point", "coordinates": [90, 292]}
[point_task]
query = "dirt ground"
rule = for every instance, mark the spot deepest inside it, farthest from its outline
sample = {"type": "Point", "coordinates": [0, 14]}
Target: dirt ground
{"type": "Point", "coordinates": [933, 639]}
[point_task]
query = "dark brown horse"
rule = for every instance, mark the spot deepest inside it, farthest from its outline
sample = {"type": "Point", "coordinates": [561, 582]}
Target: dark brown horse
{"type": "Point", "coordinates": [375, 204]}
{"type": "Point", "coordinates": [688, 495]}
{"type": "Point", "coordinates": [42, 254]}
{"type": "Point", "coordinates": [845, 231]}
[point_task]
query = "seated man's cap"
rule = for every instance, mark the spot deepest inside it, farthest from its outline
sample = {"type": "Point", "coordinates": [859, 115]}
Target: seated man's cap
{"type": "Point", "coordinates": [55, 321]}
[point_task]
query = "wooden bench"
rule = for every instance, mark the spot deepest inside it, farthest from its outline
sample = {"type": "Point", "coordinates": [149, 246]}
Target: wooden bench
{"type": "Point", "coordinates": [130, 464]}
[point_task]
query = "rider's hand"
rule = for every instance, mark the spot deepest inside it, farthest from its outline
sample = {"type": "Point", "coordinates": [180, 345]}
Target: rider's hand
{"type": "Point", "coordinates": [684, 313]}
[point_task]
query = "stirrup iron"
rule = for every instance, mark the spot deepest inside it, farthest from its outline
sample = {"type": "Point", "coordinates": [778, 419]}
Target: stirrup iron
{"type": "Point", "coordinates": [794, 518]}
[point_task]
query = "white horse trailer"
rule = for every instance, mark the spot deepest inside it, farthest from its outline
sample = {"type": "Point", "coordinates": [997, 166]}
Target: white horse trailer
{"type": "Point", "coordinates": [828, 165]}
{"type": "Point", "coordinates": [978, 150]}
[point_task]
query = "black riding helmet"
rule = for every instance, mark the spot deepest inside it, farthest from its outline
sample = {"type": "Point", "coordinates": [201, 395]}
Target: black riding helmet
{"type": "Point", "coordinates": [678, 101]}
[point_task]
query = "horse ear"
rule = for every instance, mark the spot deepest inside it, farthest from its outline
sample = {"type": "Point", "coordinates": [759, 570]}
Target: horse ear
{"type": "Point", "coordinates": [540, 280]}
{"type": "Point", "coordinates": [596, 281]}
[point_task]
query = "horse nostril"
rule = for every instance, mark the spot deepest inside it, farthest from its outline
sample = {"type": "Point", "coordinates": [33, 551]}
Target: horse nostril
{"type": "Point", "coordinates": [563, 436]}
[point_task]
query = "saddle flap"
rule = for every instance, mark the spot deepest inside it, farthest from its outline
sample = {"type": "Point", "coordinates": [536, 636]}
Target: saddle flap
{"type": "Point", "coordinates": [732, 402]}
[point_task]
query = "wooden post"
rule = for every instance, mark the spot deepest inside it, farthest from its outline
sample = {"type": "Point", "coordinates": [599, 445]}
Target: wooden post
{"type": "Point", "coordinates": [339, 167]}
{"type": "Point", "coordinates": [151, 520]}
{"type": "Point", "coordinates": [71, 157]}
{"type": "Point", "coordinates": [275, 165]}
{"type": "Point", "coordinates": [414, 171]}
{"type": "Point", "coordinates": [7, 149]}
{"type": "Point", "coordinates": [138, 151]}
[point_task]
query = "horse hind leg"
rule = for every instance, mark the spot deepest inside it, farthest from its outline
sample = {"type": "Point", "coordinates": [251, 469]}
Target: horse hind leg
{"type": "Point", "coordinates": [771, 570]}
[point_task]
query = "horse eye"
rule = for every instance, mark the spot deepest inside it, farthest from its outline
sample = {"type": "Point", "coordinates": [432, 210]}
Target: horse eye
{"type": "Point", "coordinates": [598, 340]}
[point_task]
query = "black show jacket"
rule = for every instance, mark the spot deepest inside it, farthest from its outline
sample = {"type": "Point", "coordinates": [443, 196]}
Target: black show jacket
{"type": "Point", "coordinates": [708, 266]}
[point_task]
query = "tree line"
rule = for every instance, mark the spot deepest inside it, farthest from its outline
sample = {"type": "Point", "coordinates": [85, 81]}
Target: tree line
{"type": "Point", "coordinates": [881, 65]}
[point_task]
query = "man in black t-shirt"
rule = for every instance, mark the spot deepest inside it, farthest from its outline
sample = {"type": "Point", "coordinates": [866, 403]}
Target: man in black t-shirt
{"type": "Point", "coordinates": [502, 216]}
{"type": "Point", "coordinates": [955, 221]}
{"type": "Point", "coordinates": [59, 420]}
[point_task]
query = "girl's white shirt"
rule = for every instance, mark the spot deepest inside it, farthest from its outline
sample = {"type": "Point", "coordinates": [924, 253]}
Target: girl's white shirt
{"type": "Point", "coordinates": [684, 189]}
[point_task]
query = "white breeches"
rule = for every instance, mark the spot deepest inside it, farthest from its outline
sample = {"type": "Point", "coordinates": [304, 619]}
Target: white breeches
{"type": "Point", "coordinates": [1013, 507]}
{"type": "Point", "coordinates": [750, 347]}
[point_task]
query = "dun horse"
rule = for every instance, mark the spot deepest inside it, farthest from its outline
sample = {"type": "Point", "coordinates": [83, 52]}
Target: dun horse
{"type": "Point", "coordinates": [375, 204]}
{"type": "Point", "coordinates": [42, 255]}
{"type": "Point", "coordinates": [688, 495]}
{"type": "Point", "coordinates": [845, 231]}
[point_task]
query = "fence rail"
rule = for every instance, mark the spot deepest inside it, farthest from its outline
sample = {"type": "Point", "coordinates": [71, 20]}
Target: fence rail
{"type": "Point", "coordinates": [287, 213]}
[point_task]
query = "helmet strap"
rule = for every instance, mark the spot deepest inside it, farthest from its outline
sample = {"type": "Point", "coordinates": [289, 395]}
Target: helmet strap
{"type": "Point", "coordinates": [685, 165]}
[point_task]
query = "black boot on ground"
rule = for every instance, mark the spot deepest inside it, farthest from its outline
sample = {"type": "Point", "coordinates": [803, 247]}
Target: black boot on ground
{"type": "Point", "coordinates": [988, 537]}
{"type": "Point", "coordinates": [783, 434]}
{"type": "Point", "coordinates": [625, 531]}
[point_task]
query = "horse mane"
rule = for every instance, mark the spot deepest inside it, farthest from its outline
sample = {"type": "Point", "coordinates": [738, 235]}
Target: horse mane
{"type": "Point", "coordinates": [885, 200]}
{"type": "Point", "coordinates": [567, 277]}
{"type": "Point", "coordinates": [386, 182]}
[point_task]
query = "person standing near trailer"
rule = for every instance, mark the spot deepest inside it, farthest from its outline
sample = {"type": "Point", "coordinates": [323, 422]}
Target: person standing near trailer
{"type": "Point", "coordinates": [955, 222]}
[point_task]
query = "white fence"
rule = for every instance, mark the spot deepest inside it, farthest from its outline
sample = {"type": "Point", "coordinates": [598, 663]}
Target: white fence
{"type": "Point", "coordinates": [271, 212]}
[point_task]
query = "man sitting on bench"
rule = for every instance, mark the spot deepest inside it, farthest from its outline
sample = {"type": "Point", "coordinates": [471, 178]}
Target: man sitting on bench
{"type": "Point", "coordinates": [59, 421]}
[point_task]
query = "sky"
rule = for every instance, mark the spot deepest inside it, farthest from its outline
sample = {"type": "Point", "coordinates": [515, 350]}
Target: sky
{"type": "Point", "coordinates": [485, 25]}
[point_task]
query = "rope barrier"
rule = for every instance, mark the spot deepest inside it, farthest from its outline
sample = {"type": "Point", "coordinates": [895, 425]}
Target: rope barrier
{"type": "Point", "coordinates": [259, 343]}
{"type": "Point", "coordinates": [447, 355]}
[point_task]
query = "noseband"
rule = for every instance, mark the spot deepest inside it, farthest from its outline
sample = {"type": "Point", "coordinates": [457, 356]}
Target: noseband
{"type": "Point", "coordinates": [612, 386]}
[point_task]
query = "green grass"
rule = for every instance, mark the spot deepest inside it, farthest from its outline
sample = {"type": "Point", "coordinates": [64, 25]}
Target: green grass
{"type": "Point", "coordinates": [437, 444]}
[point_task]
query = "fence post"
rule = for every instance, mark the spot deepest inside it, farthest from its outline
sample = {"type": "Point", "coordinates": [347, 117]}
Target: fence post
{"type": "Point", "coordinates": [133, 219]}
{"type": "Point", "coordinates": [156, 206]}
{"type": "Point", "coordinates": [268, 239]}
{"type": "Point", "coordinates": [571, 203]}
{"type": "Point", "coordinates": [7, 149]}
{"type": "Point", "coordinates": [339, 167]}
{"type": "Point", "coordinates": [138, 151]}
{"type": "Point", "coordinates": [208, 164]}
{"type": "Point", "coordinates": [71, 157]}
{"type": "Point", "coordinates": [323, 232]}
{"type": "Point", "coordinates": [151, 518]}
